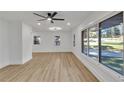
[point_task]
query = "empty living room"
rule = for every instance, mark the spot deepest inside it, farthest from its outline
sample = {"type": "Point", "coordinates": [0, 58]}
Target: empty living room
{"type": "Point", "coordinates": [61, 46]}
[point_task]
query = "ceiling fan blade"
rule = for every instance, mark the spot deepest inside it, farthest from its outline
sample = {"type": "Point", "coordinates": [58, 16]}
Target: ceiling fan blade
{"type": "Point", "coordinates": [39, 15]}
{"type": "Point", "coordinates": [58, 19]}
{"type": "Point", "coordinates": [41, 19]}
{"type": "Point", "coordinates": [52, 21]}
{"type": "Point", "coordinates": [54, 14]}
{"type": "Point", "coordinates": [49, 14]}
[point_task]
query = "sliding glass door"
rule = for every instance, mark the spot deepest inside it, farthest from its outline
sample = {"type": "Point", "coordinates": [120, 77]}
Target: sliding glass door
{"type": "Point", "coordinates": [111, 43]}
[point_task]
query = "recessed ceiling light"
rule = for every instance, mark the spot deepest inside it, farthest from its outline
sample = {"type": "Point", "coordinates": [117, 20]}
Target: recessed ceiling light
{"type": "Point", "coordinates": [39, 24]}
{"type": "Point", "coordinates": [55, 28]}
{"type": "Point", "coordinates": [68, 23]}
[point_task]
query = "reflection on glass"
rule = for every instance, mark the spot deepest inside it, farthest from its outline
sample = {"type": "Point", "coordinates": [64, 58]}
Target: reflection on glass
{"type": "Point", "coordinates": [93, 42]}
{"type": "Point", "coordinates": [112, 43]}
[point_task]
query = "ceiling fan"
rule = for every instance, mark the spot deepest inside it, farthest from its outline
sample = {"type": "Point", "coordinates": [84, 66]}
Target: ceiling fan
{"type": "Point", "coordinates": [49, 17]}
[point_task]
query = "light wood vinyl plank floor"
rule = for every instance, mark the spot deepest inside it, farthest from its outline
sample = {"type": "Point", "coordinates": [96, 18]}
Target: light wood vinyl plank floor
{"type": "Point", "coordinates": [48, 67]}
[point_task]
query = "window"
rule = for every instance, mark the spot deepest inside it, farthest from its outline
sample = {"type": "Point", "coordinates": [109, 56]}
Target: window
{"type": "Point", "coordinates": [57, 40]}
{"type": "Point", "coordinates": [106, 43]}
{"type": "Point", "coordinates": [84, 42]}
{"type": "Point", "coordinates": [74, 40]}
{"type": "Point", "coordinates": [36, 40]}
{"type": "Point", "coordinates": [93, 42]}
{"type": "Point", "coordinates": [111, 43]}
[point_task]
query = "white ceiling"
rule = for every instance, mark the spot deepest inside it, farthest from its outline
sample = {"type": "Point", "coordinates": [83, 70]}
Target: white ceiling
{"type": "Point", "coordinates": [74, 17]}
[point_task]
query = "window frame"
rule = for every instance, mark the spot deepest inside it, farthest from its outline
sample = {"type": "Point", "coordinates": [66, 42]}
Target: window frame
{"type": "Point", "coordinates": [82, 41]}
{"type": "Point", "coordinates": [97, 26]}
{"type": "Point", "coordinates": [100, 61]}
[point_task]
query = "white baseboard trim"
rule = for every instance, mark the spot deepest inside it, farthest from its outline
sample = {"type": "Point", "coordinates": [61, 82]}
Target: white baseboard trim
{"type": "Point", "coordinates": [101, 72]}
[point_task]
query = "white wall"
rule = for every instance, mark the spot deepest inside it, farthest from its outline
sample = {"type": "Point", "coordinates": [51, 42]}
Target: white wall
{"type": "Point", "coordinates": [10, 43]}
{"type": "Point", "coordinates": [4, 51]}
{"type": "Point", "coordinates": [47, 41]}
{"type": "Point", "coordinates": [27, 42]}
{"type": "Point", "coordinates": [101, 72]}
{"type": "Point", "coordinates": [15, 42]}
{"type": "Point", "coordinates": [20, 42]}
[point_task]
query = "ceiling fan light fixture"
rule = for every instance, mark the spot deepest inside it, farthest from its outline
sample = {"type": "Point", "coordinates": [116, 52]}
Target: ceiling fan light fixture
{"type": "Point", "coordinates": [49, 19]}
